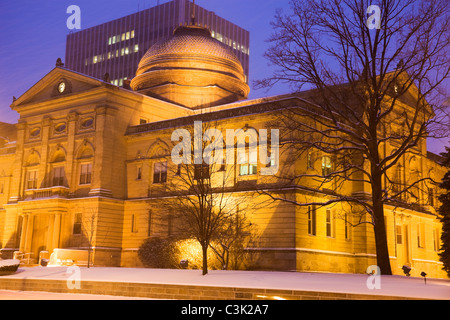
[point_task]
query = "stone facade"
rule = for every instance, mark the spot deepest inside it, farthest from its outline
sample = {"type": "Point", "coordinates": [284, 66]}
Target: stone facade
{"type": "Point", "coordinates": [80, 174]}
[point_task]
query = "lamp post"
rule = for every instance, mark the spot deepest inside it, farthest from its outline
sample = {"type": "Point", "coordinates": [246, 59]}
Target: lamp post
{"type": "Point", "coordinates": [424, 275]}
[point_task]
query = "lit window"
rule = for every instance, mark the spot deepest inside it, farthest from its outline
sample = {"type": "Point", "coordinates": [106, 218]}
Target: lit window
{"type": "Point", "coordinates": [127, 35]}
{"type": "Point", "coordinates": [136, 48]}
{"type": "Point", "coordinates": [86, 173]}
{"type": "Point", "coordinates": [123, 37]}
{"type": "Point", "coordinates": [251, 167]}
{"type": "Point", "coordinates": [110, 40]}
{"type": "Point", "coordinates": [109, 55]}
{"type": "Point", "coordinates": [116, 82]}
{"type": "Point", "coordinates": [120, 82]}
{"type": "Point", "coordinates": [132, 34]}
{"type": "Point", "coordinates": [326, 166]}
{"type": "Point", "coordinates": [160, 172]}
{"type": "Point", "coordinates": [122, 51]}
{"type": "Point", "coordinates": [420, 235]}
{"type": "Point", "coordinates": [398, 232]}
{"type": "Point", "coordinates": [58, 176]}
{"type": "Point", "coordinates": [94, 60]}
{"type": "Point", "coordinates": [309, 161]}
{"type": "Point", "coordinates": [127, 51]}
{"type": "Point", "coordinates": [114, 39]}
{"type": "Point", "coordinates": [117, 53]}
{"type": "Point", "coordinates": [32, 179]}
{"type": "Point", "coordinates": [329, 223]}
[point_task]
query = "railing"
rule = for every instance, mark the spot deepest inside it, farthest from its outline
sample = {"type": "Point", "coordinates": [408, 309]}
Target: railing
{"type": "Point", "coordinates": [52, 192]}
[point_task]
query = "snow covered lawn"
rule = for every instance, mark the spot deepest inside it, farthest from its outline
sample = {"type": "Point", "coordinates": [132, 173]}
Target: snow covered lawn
{"type": "Point", "coordinates": [326, 282]}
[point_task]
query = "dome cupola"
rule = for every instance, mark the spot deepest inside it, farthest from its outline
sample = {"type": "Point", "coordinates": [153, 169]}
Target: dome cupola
{"type": "Point", "coordinates": [191, 69]}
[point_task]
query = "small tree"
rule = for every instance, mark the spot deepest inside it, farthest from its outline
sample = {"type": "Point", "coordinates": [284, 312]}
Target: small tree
{"type": "Point", "coordinates": [444, 211]}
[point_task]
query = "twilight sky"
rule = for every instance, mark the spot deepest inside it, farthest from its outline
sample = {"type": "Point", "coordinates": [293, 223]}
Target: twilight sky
{"type": "Point", "coordinates": [33, 35]}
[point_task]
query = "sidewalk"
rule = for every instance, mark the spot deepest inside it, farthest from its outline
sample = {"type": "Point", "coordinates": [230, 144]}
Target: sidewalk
{"type": "Point", "coordinates": [185, 284]}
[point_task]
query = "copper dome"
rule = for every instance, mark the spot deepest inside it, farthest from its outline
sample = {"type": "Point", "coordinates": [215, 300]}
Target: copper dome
{"type": "Point", "coordinates": [192, 69]}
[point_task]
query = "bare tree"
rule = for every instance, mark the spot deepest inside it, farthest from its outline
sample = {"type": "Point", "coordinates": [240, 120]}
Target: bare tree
{"type": "Point", "coordinates": [89, 220]}
{"type": "Point", "coordinates": [231, 239]}
{"type": "Point", "coordinates": [376, 77]}
{"type": "Point", "coordinates": [201, 198]}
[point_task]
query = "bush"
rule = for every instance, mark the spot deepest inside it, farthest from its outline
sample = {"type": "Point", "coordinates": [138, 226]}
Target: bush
{"type": "Point", "coordinates": [8, 266]}
{"type": "Point", "coordinates": [159, 253]}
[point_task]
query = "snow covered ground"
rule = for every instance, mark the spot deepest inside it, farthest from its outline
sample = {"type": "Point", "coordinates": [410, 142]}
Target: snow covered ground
{"type": "Point", "coordinates": [327, 282]}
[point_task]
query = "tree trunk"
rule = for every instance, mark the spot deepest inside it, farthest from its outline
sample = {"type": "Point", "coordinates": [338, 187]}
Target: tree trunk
{"type": "Point", "coordinates": [379, 228]}
{"type": "Point", "coordinates": [205, 259]}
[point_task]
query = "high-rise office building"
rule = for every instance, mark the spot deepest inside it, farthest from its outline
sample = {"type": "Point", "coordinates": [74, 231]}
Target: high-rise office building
{"type": "Point", "coordinates": [116, 47]}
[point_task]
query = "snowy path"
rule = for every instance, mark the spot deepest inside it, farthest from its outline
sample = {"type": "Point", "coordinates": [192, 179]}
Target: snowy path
{"type": "Point", "coordinates": [326, 282]}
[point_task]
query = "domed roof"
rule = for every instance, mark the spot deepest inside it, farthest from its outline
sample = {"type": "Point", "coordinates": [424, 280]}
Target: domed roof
{"type": "Point", "coordinates": [192, 69]}
{"type": "Point", "coordinates": [190, 40]}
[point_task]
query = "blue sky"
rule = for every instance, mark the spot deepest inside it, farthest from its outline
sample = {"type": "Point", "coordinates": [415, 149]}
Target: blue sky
{"type": "Point", "coordinates": [33, 35]}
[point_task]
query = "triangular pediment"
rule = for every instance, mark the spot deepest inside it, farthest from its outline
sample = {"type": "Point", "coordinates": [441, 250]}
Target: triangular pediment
{"type": "Point", "coordinates": [58, 83]}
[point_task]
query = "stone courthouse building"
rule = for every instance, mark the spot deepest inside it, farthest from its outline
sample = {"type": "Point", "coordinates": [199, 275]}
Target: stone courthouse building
{"type": "Point", "coordinates": [88, 162]}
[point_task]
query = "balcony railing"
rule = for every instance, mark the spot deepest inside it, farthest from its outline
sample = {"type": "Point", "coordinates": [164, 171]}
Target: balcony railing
{"type": "Point", "coordinates": [42, 193]}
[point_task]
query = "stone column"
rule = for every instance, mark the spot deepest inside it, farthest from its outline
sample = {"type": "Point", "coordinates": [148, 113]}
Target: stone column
{"type": "Point", "coordinates": [104, 148]}
{"type": "Point", "coordinates": [72, 179]}
{"type": "Point", "coordinates": [29, 233]}
{"type": "Point", "coordinates": [56, 230]}
{"type": "Point", "coordinates": [23, 234]}
{"type": "Point", "coordinates": [43, 174]}
{"type": "Point", "coordinates": [51, 230]}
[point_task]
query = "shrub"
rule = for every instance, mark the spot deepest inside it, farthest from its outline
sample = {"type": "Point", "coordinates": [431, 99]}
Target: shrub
{"type": "Point", "coordinates": [8, 266]}
{"type": "Point", "coordinates": [159, 253]}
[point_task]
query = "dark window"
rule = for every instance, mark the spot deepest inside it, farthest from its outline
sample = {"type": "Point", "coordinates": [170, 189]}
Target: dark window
{"type": "Point", "coordinates": [86, 173]}
{"type": "Point", "coordinates": [201, 171]}
{"type": "Point", "coordinates": [160, 172]}
{"type": "Point", "coordinates": [77, 224]}
{"type": "Point", "coordinates": [312, 220]}
{"type": "Point", "coordinates": [58, 176]}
